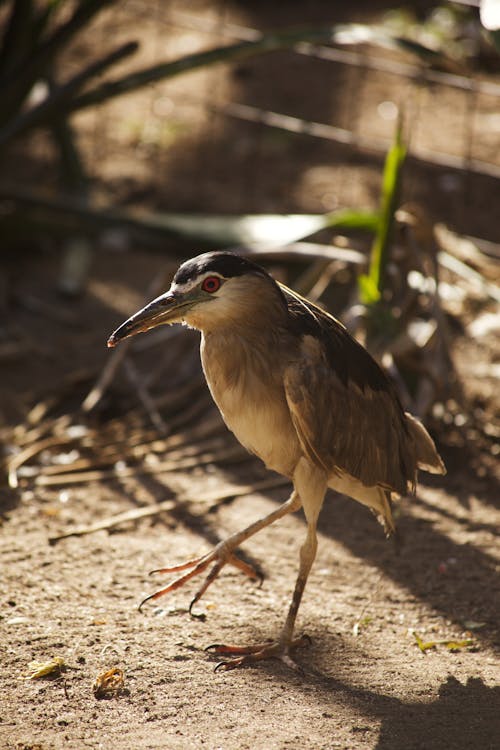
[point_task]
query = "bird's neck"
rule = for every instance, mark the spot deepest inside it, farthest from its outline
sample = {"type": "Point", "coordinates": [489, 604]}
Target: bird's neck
{"type": "Point", "coordinates": [249, 313]}
{"type": "Point", "coordinates": [242, 345]}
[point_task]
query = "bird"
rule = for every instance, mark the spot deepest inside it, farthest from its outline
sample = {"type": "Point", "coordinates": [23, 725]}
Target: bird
{"type": "Point", "coordinates": [302, 394]}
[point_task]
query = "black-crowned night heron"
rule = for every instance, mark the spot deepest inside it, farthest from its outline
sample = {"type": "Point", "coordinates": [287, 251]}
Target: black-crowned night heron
{"type": "Point", "coordinates": [299, 392]}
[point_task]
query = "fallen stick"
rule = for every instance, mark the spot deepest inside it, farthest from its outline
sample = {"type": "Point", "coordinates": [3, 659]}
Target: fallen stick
{"type": "Point", "coordinates": [31, 450]}
{"type": "Point", "coordinates": [109, 455]}
{"type": "Point", "coordinates": [232, 455]}
{"type": "Point", "coordinates": [166, 505]}
{"type": "Point", "coordinates": [119, 518]}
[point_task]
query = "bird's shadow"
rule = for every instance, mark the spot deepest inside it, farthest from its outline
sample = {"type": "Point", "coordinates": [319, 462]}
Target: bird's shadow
{"type": "Point", "coordinates": [461, 717]}
{"type": "Point", "coordinates": [461, 594]}
{"type": "Point", "coordinates": [460, 591]}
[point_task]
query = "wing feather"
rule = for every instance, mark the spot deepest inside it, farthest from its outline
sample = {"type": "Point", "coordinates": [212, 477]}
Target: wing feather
{"type": "Point", "coordinates": [345, 410]}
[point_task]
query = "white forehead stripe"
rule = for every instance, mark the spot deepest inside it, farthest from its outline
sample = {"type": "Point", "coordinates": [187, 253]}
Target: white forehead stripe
{"type": "Point", "coordinates": [188, 285]}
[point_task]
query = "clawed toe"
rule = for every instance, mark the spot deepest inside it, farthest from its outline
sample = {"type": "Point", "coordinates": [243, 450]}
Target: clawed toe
{"type": "Point", "coordinates": [241, 656]}
{"type": "Point", "coordinates": [196, 566]}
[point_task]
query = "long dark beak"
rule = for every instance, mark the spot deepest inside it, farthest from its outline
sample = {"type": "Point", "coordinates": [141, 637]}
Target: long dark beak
{"type": "Point", "coordinates": [167, 308]}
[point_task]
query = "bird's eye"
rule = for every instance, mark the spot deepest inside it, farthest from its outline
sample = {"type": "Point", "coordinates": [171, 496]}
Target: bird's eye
{"type": "Point", "coordinates": [211, 284]}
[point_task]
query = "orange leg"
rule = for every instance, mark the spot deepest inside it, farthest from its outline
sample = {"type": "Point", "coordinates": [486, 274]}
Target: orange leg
{"type": "Point", "coordinates": [220, 555]}
{"type": "Point", "coordinates": [310, 486]}
{"type": "Point", "coordinates": [244, 655]}
{"type": "Point", "coordinates": [280, 649]}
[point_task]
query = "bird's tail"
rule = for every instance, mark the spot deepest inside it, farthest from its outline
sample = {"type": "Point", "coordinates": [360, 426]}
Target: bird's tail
{"type": "Point", "coordinates": [377, 498]}
{"type": "Point", "coordinates": [425, 451]}
{"type": "Point", "coordinates": [383, 511]}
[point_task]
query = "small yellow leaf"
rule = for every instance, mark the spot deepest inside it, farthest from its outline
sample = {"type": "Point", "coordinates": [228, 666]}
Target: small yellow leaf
{"type": "Point", "coordinates": [450, 644]}
{"type": "Point", "coordinates": [424, 645]}
{"type": "Point", "coordinates": [457, 645]}
{"type": "Point", "coordinates": [43, 668]}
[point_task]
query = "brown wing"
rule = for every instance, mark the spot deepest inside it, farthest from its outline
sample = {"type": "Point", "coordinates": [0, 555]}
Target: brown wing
{"type": "Point", "coordinates": [345, 410]}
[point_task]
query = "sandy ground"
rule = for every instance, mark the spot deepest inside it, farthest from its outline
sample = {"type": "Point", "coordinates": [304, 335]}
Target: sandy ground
{"type": "Point", "coordinates": [375, 689]}
{"type": "Point", "coordinates": [365, 683]}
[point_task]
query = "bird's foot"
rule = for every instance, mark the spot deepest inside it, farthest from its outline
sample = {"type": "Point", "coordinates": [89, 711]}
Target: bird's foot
{"type": "Point", "coordinates": [241, 656]}
{"type": "Point", "coordinates": [219, 556]}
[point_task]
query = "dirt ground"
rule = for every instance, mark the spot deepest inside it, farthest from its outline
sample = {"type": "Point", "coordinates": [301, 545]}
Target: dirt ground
{"type": "Point", "coordinates": [365, 684]}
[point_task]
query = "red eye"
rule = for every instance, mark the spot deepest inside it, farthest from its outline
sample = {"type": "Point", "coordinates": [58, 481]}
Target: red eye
{"type": "Point", "coordinates": [211, 284]}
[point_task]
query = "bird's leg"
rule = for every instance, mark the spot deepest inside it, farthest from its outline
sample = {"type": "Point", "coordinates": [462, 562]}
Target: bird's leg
{"type": "Point", "coordinates": [241, 656]}
{"type": "Point", "coordinates": [221, 554]}
{"type": "Point", "coordinates": [245, 568]}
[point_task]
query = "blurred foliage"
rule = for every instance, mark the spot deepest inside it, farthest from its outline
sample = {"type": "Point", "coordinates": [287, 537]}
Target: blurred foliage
{"type": "Point", "coordinates": [31, 44]}
{"type": "Point", "coordinates": [455, 29]}
{"type": "Point", "coordinates": [398, 318]}
{"type": "Point", "coordinates": [33, 40]}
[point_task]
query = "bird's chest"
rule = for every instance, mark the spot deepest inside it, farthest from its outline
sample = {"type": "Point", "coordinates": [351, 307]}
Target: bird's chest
{"type": "Point", "coordinates": [248, 390]}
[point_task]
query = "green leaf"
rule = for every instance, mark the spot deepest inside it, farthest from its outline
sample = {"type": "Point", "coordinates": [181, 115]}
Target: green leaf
{"type": "Point", "coordinates": [368, 290]}
{"type": "Point", "coordinates": [371, 287]}
{"type": "Point", "coordinates": [268, 230]}
{"type": "Point", "coordinates": [271, 229]}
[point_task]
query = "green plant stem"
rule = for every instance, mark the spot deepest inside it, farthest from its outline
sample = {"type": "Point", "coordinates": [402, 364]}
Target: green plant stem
{"type": "Point", "coordinates": [390, 203]}
{"type": "Point", "coordinates": [371, 286]}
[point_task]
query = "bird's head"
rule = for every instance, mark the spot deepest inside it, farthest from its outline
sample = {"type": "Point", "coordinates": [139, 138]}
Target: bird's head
{"type": "Point", "coordinates": [210, 290]}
